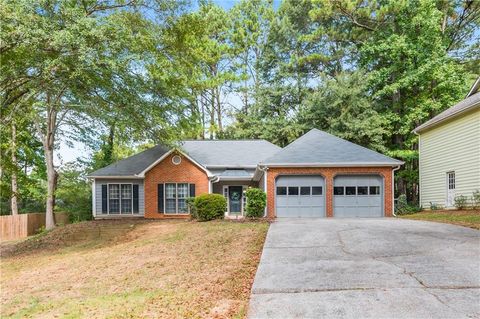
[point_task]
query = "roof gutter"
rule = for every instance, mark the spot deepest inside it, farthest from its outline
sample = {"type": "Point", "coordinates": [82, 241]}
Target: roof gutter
{"type": "Point", "coordinates": [365, 164]}
{"type": "Point", "coordinates": [116, 177]}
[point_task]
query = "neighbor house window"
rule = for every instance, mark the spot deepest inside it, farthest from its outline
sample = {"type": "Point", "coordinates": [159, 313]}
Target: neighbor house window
{"type": "Point", "coordinates": [120, 199]}
{"type": "Point", "coordinates": [175, 198]}
{"type": "Point", "coordinates": [451, 180]}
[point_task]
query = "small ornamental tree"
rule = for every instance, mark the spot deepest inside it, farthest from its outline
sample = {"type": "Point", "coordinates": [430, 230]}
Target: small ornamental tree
{"type": "Point", "coordinates": [209, 207]}
{"type": "Point", "coordinates": [256, 202]}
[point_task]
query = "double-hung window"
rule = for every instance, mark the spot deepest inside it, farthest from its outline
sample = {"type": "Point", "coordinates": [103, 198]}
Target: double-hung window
{"type": "Point", "coordinates": [176, 195]}
{"type": "Point", "coordinates": [120, 198]}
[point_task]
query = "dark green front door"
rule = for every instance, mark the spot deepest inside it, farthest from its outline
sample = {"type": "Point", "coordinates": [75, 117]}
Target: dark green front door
{"type": "Point", "coordinates": [235, 199]}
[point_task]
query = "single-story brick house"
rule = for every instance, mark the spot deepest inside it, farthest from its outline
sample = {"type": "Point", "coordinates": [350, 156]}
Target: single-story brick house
{"type": "Point", "coordinates": [317, 175]}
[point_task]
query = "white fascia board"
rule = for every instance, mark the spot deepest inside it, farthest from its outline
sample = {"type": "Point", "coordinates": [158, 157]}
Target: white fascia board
{"type": "Point", "coordinates": [116, 177]}
{"type": "Point", "coordinates": [423, 128]}
{"type": "Point", "coordinates": [230, 166]}
{"type": "Point", "coordinates": [364, 164]}
{"type": "Point", "coordinates": [142, 174]}
{"type": "Point", "coordinates": [235, 178]}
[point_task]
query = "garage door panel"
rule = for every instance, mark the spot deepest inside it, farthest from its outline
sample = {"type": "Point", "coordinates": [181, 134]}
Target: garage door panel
{"type": "Point", "coordinates": [360, 204]}
{"type": "Point", "coordinates": [303, 204]}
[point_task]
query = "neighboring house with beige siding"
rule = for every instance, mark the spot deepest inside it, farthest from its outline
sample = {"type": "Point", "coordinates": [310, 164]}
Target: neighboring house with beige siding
{"type": "Point", "coordinates": [449, 153]}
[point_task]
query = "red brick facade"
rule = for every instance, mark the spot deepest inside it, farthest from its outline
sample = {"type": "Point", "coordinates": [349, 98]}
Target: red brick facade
{"type": "Point", "coordinates": [329, 173]}
{"type": "Point", "coordinates": [167, 172]}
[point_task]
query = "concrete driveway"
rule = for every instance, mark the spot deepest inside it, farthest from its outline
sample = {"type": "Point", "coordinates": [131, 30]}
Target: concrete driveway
{"type": "Point", "coordinates": [367, 268]}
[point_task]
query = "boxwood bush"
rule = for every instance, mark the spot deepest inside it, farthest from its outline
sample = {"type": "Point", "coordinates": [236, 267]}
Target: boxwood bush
{"type": "Point", "coordinates": [209, 207]}
{"type": "Point", "coordinates": [256, 202]}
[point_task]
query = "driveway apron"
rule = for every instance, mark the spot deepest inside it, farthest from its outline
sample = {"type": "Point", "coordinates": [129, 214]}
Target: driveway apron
{"type": "Point", "coordinates": [367, 268]}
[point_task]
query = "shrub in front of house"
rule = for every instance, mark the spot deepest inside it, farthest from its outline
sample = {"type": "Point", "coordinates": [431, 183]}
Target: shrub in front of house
{"type": "Point", "coordinates": [461, 201]}
{"type": "Point", "coordinates": [209, 206]}
{"type": "Point", "coordinates": [256, 202]}
{"type": "Point", "coordinates": [190, 201]}
{"type": "Point", "coordinates": [402, 207]}
{"type": "Point", "coordinates": [476, 199]}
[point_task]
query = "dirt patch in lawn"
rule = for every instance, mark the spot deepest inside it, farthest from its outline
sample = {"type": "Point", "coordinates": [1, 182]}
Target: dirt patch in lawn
{"type": "Point", "coordinates": [125, 269]}
{"type": "Point", "coordinates": [468, 218]}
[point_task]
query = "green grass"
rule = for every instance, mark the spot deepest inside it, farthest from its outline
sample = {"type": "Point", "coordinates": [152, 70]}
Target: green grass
{"type": "Point", "coordinates": [467, 218]}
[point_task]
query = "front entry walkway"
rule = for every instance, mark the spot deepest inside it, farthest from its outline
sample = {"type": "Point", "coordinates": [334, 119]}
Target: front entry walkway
{"type": "Point", "coordinates": [367, 268]}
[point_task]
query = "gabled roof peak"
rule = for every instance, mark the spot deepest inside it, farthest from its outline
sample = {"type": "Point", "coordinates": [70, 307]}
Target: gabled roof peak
{"type": "Point", "coordinates": [319, 148]}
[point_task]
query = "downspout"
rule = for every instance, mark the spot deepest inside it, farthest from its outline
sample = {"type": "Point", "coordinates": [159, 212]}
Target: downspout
{"type": "Point", "coordinates": [264, 170]}
{"type": "Point", "coordinates": [393, 190]}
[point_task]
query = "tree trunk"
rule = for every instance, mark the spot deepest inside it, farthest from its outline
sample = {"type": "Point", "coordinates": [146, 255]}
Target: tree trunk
{"type": "Point", "coordinates": [212, 115]}
{"type": "Point", "coordinates": [48, 140]}
{"type": "Point", "coordinates": [219, 109]}
{"type": "Point", "coordinates": [108, 156]}
{"type": "Point", "coordinates": [14, 203]}
{"type": "Point", "coordinates": [52, 185]}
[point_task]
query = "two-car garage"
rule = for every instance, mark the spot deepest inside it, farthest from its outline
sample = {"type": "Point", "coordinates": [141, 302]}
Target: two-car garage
{"type": "Point", "coordinates": [353, 196]}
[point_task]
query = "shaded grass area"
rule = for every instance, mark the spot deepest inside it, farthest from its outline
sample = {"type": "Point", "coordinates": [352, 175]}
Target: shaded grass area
{"type": "Point", "coordinates": [130, 269]}
{"type": "Point", "coordinates": [467, 218]}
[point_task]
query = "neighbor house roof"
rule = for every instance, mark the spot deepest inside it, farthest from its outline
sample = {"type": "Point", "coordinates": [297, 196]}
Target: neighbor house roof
{"type": "Point", "coordinates": [318, 148]}
{"type": "Point", "coordinates": [471, 101]}
{"type": "Point", "coordinates": [207, 153]}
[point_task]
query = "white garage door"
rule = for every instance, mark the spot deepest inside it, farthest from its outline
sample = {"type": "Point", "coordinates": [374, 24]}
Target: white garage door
{"type": "Point", "coordinates": [358, 196]}
{"type": "Point", "coordinates": [300, 196]}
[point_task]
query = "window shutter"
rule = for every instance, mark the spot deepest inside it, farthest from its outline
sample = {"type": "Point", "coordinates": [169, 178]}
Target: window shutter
{"type": "Point", "coordinates": [192, 190]}
{"type": "Point", "coordinates": [104, 199]}
{"type": "Point", "coordinates": [160, 197]}
{"type": "Point", "coordinates": [135, 198]}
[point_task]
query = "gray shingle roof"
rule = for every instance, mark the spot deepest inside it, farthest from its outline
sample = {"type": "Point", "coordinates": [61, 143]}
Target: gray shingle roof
{"type": "Point", "coordinates": [320, 148]}
{"type": "Point", "coordinates": [232, 153]}
{"type": "Point", "coordinates": [229, 153]}
{"type": "Point", "coordinates": [470, 102]}
{"type": "Point", "coordinates": [233, 173]}
{"type": "Point", "coordinates": [132, 165]}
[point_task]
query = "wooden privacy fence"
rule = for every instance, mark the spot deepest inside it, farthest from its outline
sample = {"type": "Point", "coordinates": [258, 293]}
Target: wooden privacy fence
{"type": "Point", "coordinates": [24, 225]}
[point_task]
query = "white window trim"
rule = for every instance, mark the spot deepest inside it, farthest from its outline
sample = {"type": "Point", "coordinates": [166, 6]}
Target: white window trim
{"type": "Point", "coordinates": [176, 198]}
{"type": "Point", "coordinates": [120, 199]}
{"type": "Point", "coordinates": [448, 190]}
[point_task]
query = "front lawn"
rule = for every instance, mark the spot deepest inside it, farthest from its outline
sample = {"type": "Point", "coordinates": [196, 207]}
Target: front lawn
{"type": "Point", "coordinates": [130, 269]}
{"type": "Point", "coordinates": [467, 218]}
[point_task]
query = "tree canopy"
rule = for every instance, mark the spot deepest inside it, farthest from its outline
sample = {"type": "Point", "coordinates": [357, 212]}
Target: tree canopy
{"type": "Point", "coordinates": [119, 76]}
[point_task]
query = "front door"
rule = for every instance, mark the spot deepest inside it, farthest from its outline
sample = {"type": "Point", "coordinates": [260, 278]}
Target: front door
{"type": "Point", "coordinates": [235, 200]}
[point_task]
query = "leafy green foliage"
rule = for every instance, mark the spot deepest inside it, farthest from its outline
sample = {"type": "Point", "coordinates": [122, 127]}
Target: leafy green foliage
{"type": "Point", "coordinates": [74, 194]}
{"type": "Point", "coordinates": [209, 207]}
{"type": "Point", "coordinates": [476, 199]}
{"type": "Point", "coordinates": [402, 207]}
{"type": "Point", "coordinates": [256, 202]}
{"type": "Point", "coordinates": [460, 201]}
{"type": "Point", "coordinates": [342, 106]}
{"type": "Point", "coordinates": [118, 74]}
